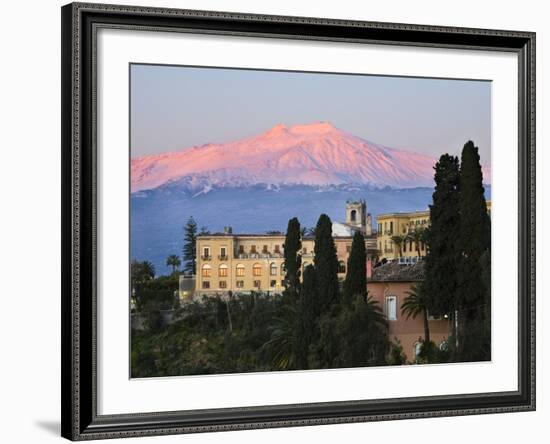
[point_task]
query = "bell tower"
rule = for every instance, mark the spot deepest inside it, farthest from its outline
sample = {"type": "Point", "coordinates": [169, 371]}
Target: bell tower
{"type": "Point", "coordinates": [356, 214]}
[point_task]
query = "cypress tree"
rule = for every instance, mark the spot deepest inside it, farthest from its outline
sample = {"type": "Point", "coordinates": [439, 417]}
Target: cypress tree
{"type": "Point", "coordinates": [441, 263]}
{"type": "Point", "coordinates": [474, 243]}
{"type": "Point", "coordinates": [326, 264]}
{"type": "Point", "coordinates": [356, 277]}
{"type": "Point", "coordinates": [306, 317]}
{"type": "Point", "coordinates": [293, 260]}
{"type": "Point", "coordinates": [190, 246]}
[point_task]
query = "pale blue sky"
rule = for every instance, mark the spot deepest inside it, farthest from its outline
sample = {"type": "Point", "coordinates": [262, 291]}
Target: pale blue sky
{"type": "Point", "coordinates": [175, 107]}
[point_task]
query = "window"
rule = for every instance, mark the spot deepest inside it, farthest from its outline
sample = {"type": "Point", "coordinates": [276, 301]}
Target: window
{"type": "Point", "coordinates": [277, 249]}
{"type": "Point", "coordinates": [348, 248]}
{"type": "Point", "coordinates": [206, 252]}
{"type": "Point", "coordinates": [241, 249]}
{"type": "Point", "coordinates": [257, 284]}
{"type": "Point", "coordinates": [282, 283]}
{"type": "Point", "coordinates": [257, 270]}
{"type": "Point", "coordinates": [223, 252]}
{"type": "Point", "coordinates": [272, 283]}
{"type": "Point", "coordinates": [240, 270]}
{"type": "Point", "coordinates": [205, 284]}
{"type": "Point", "coordinates": [222, 271]}
{"type": "Point", "coordinates": [223, 284]}
{"type": "Point", "coordinates": [391, 227]}
{"type": "Point", "coordinates": [304, 250]}
{"type": "Point", "coordinates": [253, 249]}
{"type": "Point", "coordinates": [391, 308]}
{"type": "Point", "coordinates": [264, 249]}
{"type": "Point", "coordinates": [282, 269]}
{"type": "Point", "coordinates": [341, 267]}
{"type": "Point", "coordinates": [206, 270]}
{"type": "Point", "coordinates": [273, 269]}
{"type": "Point", "coordinates": [353, 215]}
{"type": "Point", "coordinates": [239, 284]}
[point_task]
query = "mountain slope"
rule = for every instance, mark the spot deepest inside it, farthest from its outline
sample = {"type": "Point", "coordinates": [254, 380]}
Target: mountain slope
{"type": "Point", "coordinates": [314, 154]}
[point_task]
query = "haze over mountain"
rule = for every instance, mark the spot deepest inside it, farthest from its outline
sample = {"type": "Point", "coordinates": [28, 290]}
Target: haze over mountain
{"type": "Point", "coordinates": [314, 154]}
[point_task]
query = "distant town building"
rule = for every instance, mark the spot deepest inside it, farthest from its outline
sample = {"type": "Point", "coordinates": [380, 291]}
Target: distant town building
{"type": "Point", "coordinates": [395, 233]}
{"type": "Point", "coordinates": [389, 285]}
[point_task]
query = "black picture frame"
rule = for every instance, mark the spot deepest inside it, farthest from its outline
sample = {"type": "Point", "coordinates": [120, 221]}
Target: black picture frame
{"type": "Point", "coordinates": [80, 420]}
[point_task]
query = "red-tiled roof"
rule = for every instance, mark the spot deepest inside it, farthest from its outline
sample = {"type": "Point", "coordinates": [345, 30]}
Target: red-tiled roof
{"type": "Point", "coordinates": [395, 272]}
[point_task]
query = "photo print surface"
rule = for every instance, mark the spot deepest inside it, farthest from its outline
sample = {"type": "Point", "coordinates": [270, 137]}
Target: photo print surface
{"type": "Point", "coordinates": [284, 220]}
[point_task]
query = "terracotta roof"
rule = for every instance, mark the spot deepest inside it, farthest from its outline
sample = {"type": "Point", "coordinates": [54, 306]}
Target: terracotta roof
{"type": "Point", "coordinates": [395, 272]}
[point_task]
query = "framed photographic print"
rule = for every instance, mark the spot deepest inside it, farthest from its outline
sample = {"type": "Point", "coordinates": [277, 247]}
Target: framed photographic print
{"type": "Point", "coordinates": [278, 221]}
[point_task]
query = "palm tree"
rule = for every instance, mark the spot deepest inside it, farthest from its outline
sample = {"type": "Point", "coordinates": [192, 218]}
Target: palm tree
{"type": "Point", "coordinates": [282, 344]}
{"type": "Point", "coordinates": [142, 271]}
{"type": "Point", "coordinates": [417, 235]}
{"type": "Point", "coordinates": [305, 231]}
{"type": "Point", "coordinates": [173, 261]}
{"type": "Point", "coordinates": [398, 240]}
{"type": "Point", "coordinates": [415, 304]}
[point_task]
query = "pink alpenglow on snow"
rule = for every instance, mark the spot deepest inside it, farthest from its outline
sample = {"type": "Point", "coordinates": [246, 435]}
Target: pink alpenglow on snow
{"type": "Point", "coordinates": [315, 154]}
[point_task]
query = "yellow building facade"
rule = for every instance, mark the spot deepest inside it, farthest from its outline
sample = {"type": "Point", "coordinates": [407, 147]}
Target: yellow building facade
{"type": "Point", "coordinates": [396, 233]}
{"type": "Point", "coordinates": [242, 263]}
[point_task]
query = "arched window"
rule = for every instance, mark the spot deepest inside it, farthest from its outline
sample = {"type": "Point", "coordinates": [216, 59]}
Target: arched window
{"type": "Point", "coordinates": [257, 269]}
{"type": "Point", "coordinates": [222, 270]}
{"type": "Point", "coordinates": [273, 269]}
{"type": "Point", "coordinates": [240, 270]}
{"type": "Point", "coordinates": [206, 270]}
{"type": "Point", "coordinates": [353, 215]}
{"type": "Point", "coordinates": [341, 267]}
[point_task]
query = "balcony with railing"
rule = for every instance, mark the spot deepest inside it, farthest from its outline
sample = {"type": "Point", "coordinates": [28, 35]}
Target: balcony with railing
{"type": "Point", "coordinates": [262, 255]}
{"type": "Point", "coordinates": [206, 257]}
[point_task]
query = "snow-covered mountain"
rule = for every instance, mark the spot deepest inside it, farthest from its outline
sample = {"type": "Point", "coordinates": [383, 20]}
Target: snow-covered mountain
{"type": "Point", "coordinates": [314, 154]}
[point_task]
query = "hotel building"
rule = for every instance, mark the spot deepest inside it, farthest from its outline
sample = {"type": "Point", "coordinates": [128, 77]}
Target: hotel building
{"type": "Point", "coordinates": [390, 225]}
{"type": "Point", "coordinates": [242, 263]}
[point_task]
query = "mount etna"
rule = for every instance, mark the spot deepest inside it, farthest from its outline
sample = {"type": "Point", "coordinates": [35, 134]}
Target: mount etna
{"type": "Point", "coordinates": [258, 183]}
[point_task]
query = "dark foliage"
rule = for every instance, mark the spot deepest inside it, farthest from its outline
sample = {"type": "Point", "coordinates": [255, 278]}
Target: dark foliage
{"type": "Point", "coordinates": [190, 246]}
{"type": "Point", "coordinates": [326, 265]}
{"type": "Point", "coordinates": [441, 263]}
{"type": "Point", "coordinates": [141, 271]}
{"type": "Point", "coordinates": [474, 243]}
{"type": "Point", "coordinates": [293, 259]}
{"type": "Point", "coordinates": [306, 321]}
{"type": "Point", "coordinates": [356, 277]}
